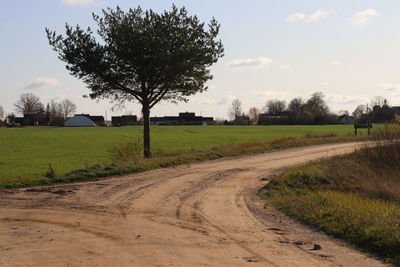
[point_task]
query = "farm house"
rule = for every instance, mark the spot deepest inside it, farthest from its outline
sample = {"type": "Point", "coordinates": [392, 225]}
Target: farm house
{"type": "Point", "coordinates": [79, 121]}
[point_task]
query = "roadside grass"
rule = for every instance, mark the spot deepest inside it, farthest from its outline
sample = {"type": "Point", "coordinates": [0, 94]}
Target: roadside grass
{"type": "Point", "coordinates": [354, 197]}
{"type": "Point", "coordinates": [127, 158]}
{"type": "Point", "coordinates": [26, 153]}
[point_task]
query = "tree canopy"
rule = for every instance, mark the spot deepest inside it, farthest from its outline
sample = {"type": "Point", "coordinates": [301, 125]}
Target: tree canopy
{"type": "Point", "coordinates": [275, 106]}
{"type": "Point", "coordinates": [28, 104]}
{"type": "Point", "coordinates": [141, 56]}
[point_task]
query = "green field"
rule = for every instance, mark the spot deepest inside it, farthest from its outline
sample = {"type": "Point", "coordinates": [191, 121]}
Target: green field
{"type": "Point", "coordinates": [25, 153]}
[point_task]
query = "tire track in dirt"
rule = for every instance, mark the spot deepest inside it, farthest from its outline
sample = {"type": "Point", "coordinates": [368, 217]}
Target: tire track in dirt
{"type": "Point", "coordinates": [197, 214]}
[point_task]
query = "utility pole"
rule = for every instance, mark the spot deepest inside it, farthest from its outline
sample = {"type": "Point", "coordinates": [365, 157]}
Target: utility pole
{"type": "Point", "coordinates": [368, 122]}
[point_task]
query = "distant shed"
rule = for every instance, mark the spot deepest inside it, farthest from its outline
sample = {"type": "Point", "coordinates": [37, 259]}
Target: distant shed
{"type": "Point", "coordinates": [79, 121]}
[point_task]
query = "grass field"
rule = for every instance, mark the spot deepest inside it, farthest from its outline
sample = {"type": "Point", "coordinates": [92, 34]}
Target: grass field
{"type": "Point", "coordinates": [355, 197]}
{"type": "Point", "coordinates": [25, 153]}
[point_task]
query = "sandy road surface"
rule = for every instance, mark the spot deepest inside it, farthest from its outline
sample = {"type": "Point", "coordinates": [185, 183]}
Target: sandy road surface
{"type": "Point", "coordinates": [204, 214]}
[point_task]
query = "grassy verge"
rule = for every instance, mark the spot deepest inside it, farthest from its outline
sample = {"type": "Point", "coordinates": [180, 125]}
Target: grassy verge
{"type": "Point", "coordinates": [127, 160]}
{"type": "Point", "coordinates": [354, 197]}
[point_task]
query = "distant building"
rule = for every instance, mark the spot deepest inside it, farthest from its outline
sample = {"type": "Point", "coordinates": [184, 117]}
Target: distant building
{"type": "Point", "coordinates": [184, 118]}
{"type": "Point", "coordinates": [79, 121]}
{"type": "Point", "coordinates": [346, 119]}
{"type": "Point", "coordinates": [19, 121]}
{"type": "Point", "coordinates": [29, 120]}
{"type": "Point", "coordinates": [267, 118]}
{"type": "Point", "coordinates": [98, 120]}
{"type": "Point", "coordinates": [124, 120]}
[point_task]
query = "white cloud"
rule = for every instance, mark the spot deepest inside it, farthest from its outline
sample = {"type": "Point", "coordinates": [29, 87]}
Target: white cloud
{"type": "Point", "coordinates": [323, 83]}
{"type": "Point", "coordinates": [313, 17]}
{"type": "Point", "coordinates": [317, 15]}
{"type": "Point", "coordinates": [56, 97]}
{"type": "Point", "coordinates": [258, 62]}
{"type": "Point", "coordinates": [272, 94]}
{"type": "Point", "coordinates": [225, 100]}
{"type": "Point", "coordinates": [295, 17]}
{"type": "Point", "coordinates": [285, 67]}
{"type": "Point", "coordinates": [362, 18]}
{"type": "Point", "coordinates": [79, 2]}
{"type": "Point", "coordinates": [332, 98]}
{"type": "Point", "coordinates": [43, 82]}
{"type": "Point", "coordinates": [334, 62]}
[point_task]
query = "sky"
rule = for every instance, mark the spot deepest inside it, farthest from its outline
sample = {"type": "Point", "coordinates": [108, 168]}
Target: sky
{"type": "Point", "coordinates": [347, 49]}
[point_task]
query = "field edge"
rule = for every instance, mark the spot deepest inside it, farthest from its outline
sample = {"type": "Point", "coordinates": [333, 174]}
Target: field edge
{"type": "Point", "coordinates": [100, 171]}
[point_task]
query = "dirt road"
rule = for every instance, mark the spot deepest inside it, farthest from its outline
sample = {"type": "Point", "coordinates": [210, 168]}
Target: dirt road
{"type": "Point", "coordinates": [203, 214]}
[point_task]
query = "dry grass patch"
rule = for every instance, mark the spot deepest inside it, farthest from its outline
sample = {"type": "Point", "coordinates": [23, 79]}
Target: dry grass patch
{"type": "Point", "coordinates": [355, 197]}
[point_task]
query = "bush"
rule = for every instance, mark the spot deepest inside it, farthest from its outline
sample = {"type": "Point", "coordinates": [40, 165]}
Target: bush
{"type": "Point", "coordinates": [384, 148]}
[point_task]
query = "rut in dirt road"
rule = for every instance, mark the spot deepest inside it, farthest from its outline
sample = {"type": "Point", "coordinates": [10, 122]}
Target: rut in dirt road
{"type": "Point", "coordinates": [192, 215]}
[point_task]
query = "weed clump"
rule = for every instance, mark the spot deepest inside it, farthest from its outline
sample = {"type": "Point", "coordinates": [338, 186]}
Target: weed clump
{"type": "Point", "coordinates": [126, 153]}
{"type": "Point", "coordinates": [51, 173]}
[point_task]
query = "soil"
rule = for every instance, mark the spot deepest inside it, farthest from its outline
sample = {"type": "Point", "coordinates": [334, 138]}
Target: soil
{"type": "Point", "coordinates": [202, 214]}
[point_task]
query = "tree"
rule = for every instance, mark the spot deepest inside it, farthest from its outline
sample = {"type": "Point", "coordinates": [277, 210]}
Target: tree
{"type": "Point", "coordinates": [10, 118]}
{"type": "Point", "coordinates": [253, 115]}
{"type": "Point", "coordinates": [236, 109]}
{"type": "Point", "coordinates": [1, 113]}
{"type": "Point", "coordinates": [55, 113]}
{"type": "Point", "coordinates": [68, 108]}
{"type": "Point", "coordinates": [242, 119]}
{"type": "Point", "coordinates": [295, 105]}
{"type": "Point", "coordinates": [359, 111]}
{"type": "Point", "coordinates": [275, 106]}
{"type": "Point", "coordinates": [47, 113]}
{"type": "Point", "coordinates": [343, 113]}
{"type": "Point", "coordinates": [142, 56]}
{"type": "Point", "coordinates": [28, 104]}
{"type": "Point", "coordinates": [56, 109]}
{"type": "Point", "coordinates": [316, 104]}
{"type": "Point", "coordinates": [377, 101]}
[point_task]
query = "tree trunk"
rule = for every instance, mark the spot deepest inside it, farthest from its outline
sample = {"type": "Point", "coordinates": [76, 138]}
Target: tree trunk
{"type": "Point", "coordinates": [146, 131]}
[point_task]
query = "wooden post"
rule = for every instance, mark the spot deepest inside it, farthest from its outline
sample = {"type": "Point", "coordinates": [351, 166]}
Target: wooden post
{"type": "Point", "coordinates": [355, 129]}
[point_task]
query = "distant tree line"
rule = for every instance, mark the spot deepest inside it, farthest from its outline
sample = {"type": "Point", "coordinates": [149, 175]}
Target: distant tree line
{"type": "Point", "coordinates": [34, 112]}
{"type": "Point", "coordinates": [310, 111]}
{"type": "Point", "coordinates": [377, 111]}
{"type": "Point", "coordinates": [298, 111]}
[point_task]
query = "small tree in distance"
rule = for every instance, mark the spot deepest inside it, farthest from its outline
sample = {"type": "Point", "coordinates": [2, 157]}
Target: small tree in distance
{"type": "Point", "coordinates": [377, 101]}
{"type": "Point", "coordinates": [235, 111]}
{"type": "Point", "coordinates": [68, 108]}
{"type": "Point", "coordinates": [142, 56]}
{"type": "Point", "coordinates": [1, 116]}
{"type": "Point", "coordinates": [253, 115]}
{"type": "Point", "coordinates": [295, 105]}
{"type": "Point", "coordinates": [1, 113]}
{"type": "Point", "coordinates": [359, 111]}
